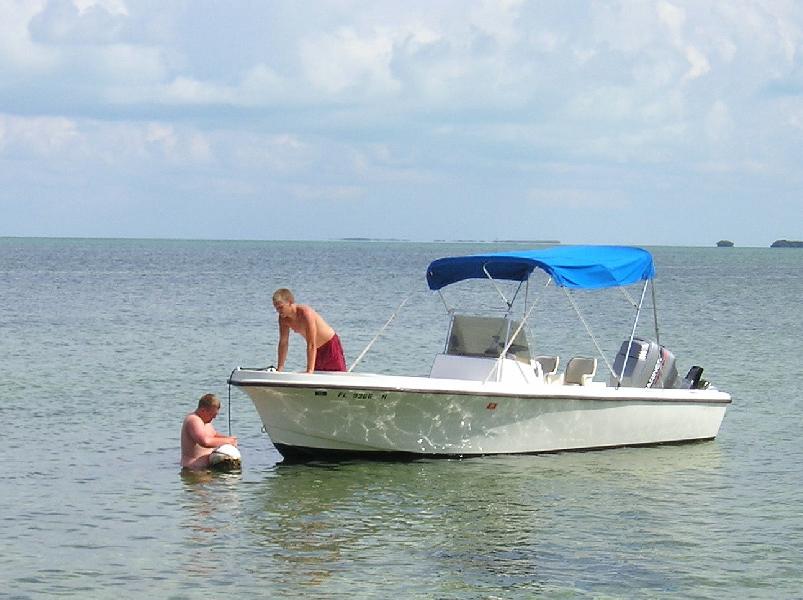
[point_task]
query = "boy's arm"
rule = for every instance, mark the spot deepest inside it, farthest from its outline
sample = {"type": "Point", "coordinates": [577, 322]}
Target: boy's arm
{"type": "Point", "coordinates": [311, 328]}
{"type": "Point", "coordinates": [284, 340]}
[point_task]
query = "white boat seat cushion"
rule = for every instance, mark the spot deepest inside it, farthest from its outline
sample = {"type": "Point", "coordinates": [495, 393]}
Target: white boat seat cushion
{"type": "Point", "coordinates": [549, 364]}
{"type": "Point", "coordinates": [580, 371]}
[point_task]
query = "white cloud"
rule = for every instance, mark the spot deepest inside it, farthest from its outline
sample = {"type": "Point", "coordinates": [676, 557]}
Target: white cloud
{"type": "Point", "coordinates": [159, 132]}
{"type": "Point", "coordinates": [258, 87]}
{"type": "Point", "coordinates": [574, 199]}
{"type": "Point", "coordinates": [262, 85]}
{"type": "Point", "coordinates": [78, 22]}
{"type": "Point", "coordinates": [17, 51]}
{"type": "Point", "coordinates": [719, 123]}
{"type": "Point", "coordinates": [114, 7]}
{"type": "Point", "coordinates": [344, 61]}
{"type": "Point", "coordinates": [498, 18]}
{"type": "Point", "coordinates": [40, 136]}
{"type": "Point", "coordinates": [673, 17]}
{"type": "Point", "coordinates": [438, 101]}
{"type": "Point", "coordinates": [337, 194]}
{"type": "Point", "coordinates": [282, 155]}
{"type": "Point", "coordinates": [126, 65]}
{"type": "Point", "coordinates": [699, 64]}
{"type": "Point", "coordinates": [60, 141]}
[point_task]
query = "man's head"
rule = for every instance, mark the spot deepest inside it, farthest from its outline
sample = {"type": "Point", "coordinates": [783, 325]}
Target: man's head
{"type": "Point", "coordinates": [208, 407]}
{"type": "Point", "coordinates": [283, 298]}
{"type": "Point", "coordinates": [283, 295]}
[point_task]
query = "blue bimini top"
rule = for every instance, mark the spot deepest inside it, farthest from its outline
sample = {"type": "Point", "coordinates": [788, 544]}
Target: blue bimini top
{"type": "Point", "coordinates": [580, 267]}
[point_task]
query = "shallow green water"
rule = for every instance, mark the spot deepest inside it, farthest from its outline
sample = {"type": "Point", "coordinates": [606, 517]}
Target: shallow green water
{"type": "Point", "coordinates": [107, 344]}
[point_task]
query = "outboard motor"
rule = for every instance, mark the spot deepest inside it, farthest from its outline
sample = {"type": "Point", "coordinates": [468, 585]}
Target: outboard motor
{"type": "Point", "coordinates": [693, 381]}
{"type": "Point", "coordinates": [648, 365]}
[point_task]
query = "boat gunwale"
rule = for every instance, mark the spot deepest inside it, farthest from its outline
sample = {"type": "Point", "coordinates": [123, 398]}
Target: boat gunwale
{"type": "Point", "coordinates": [547, 391]}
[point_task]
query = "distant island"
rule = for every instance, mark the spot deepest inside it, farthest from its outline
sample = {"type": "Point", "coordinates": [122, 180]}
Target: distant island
{"type": "Point", "coordinates": [538, 242]}
{"type": "Point", "coordinates": [461, 241]}
{"type": "Point", "coordinates": [369, 239]}
{"type": "Point", "coordinates": [775, 244]}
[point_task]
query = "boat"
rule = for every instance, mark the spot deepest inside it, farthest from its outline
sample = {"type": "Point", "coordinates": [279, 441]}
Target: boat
{"type": "Point", "coordinates": [488, 391]}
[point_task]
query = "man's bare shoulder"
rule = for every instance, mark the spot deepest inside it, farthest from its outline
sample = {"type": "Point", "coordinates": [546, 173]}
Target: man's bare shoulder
{"type": "Point", "coordinates": [192, 421]}
{"type": "Point", "coordinates": [307, 312]}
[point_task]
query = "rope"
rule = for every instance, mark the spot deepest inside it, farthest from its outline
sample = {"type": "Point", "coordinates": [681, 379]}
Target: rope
{"type": "Point", "coordinates": [510, 341]}
{"type": "Point", "coordinates": [229, 406]}
{"type": "Point", "coordinates": [655, 313]}
{"type": "Point", "coordinates": [376, 337]}
{"type": "Point", "coordinates": [588, 329]}
{"type": "Point", "coordinates": [518, 329]}
{"type": "Point", "coordinates": [635, 326]}
{"type": "Point", "coordinates": [628, 297]}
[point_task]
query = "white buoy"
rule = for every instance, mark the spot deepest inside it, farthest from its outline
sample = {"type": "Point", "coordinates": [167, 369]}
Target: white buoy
{"type": "Point", "coordinates": [226, 458]}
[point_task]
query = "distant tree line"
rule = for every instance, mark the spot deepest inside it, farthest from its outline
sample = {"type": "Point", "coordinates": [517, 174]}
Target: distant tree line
{"type": "Point", "coordinates": [775, 244]}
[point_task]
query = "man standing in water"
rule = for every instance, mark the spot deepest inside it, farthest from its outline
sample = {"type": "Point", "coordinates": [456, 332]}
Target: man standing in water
{"type": "Point", "coordinates": [324, 351]}
{"type": "Point", "coordinates": [198, 437]}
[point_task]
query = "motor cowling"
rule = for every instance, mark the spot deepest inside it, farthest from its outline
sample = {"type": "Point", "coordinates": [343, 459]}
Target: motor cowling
{"type": "Point", "coordinates": [646, 364]}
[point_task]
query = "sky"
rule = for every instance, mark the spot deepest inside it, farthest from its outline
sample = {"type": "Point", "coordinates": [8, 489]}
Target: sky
{"type": "Point", "coordinates": [586, 122]}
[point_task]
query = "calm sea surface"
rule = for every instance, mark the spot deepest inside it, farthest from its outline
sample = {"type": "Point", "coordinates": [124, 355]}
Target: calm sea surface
{"type": "Point", "coordinates": [108, 344]}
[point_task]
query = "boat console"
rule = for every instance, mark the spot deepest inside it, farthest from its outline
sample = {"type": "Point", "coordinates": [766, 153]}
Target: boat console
{"type": "Point", "coordinates": [474, 345]}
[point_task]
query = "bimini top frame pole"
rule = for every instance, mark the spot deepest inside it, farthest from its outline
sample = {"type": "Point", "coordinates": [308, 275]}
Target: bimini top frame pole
{"type": "Point", "coordinates": [620, 376]}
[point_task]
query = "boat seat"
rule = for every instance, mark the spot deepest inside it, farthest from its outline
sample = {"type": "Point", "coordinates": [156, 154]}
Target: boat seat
{"type": "Point", "coordinates": [580, 371]}
{"type": "Point", "coordinates": [549, 364]}
{"type": "Point", "coordinates": [549, 367]}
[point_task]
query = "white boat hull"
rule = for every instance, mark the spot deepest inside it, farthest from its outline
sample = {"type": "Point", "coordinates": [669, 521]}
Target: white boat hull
{"type": "Point", "coordinates": [340, 414]}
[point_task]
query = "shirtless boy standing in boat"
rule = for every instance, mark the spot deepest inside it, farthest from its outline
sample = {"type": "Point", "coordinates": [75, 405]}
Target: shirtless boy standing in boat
{"type": "Point", "coordinates": [324, 351]}
{"type": "Point", "coordinates": [198, 437]}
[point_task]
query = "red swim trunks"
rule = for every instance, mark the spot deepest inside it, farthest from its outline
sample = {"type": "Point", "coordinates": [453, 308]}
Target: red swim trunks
{"type": "Point", "coordinates": [330, 356]}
